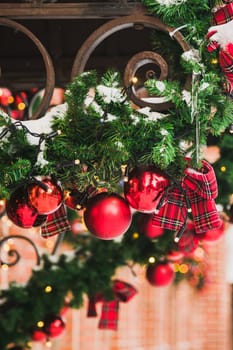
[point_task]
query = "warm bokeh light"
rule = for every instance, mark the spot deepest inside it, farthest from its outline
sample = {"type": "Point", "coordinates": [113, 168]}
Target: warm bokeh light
{"type": "Point", "coordinates": [40, 324]}
{"type": "Point", "coordinates": [151, 259]}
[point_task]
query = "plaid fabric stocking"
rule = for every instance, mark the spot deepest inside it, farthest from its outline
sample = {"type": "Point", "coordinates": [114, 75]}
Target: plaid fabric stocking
{"type": "Point", "coordinates": [56, 223]}
{"type": "Point", "coordinates": [201, 188]}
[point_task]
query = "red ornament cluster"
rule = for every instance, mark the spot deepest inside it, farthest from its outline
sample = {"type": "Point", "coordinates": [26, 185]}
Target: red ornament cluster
{"type": "Point", "coordinates": [29, 205]}
{"type": "Point", "coordinates": [53, 327]}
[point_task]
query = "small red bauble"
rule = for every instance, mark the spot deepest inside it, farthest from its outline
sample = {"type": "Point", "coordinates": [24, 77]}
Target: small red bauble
{"type": "Point", "coordinates": [107, 215]}
{"type": "Point", "coordinates": [19, 210]}
{"type": "Point", "coordinates": [145, 187]}
{"type": "Point", "coordinates": [45, 197]}
{"type": "Point", "coordinates": [38, 335]}
{"type": "Point", "coordinates": [145, 226]}
{"type": "Point", "coordinates": [160, 274]}
{"type": "Point", "coordinates": [54, 326]}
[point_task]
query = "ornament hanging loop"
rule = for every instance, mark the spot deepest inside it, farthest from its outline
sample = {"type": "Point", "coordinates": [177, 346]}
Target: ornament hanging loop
{"type": "Point", "coordinates": [194, 112]}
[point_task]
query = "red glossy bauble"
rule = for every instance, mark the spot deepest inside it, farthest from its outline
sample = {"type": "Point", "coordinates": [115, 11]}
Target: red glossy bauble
{"type": "Point", "coordinates": [45, 200]}
{"type": "Point", "coordinates": [160, 274]}
{"type": "Point", "coordinates": [19, 210]}
{"type": "Point", "coordinates": [54, 326]}
{"type": "Point", "coordinates": [145, 226]}
{"type": "Point", "coordinates": [107, 215]}
{"type": "Point", "coordinates": [212, 235]}
{"type": "Point", "coordinates": [145, 187]}
{"type": "Point", "coordinates": [38, 335]}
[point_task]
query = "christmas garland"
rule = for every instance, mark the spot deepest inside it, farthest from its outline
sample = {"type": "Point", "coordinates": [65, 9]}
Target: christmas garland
{"type": "Point", "coordinates": [89, 145]}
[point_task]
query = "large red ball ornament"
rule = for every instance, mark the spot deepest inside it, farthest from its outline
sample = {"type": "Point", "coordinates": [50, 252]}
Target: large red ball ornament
{"type": "Point", "coordinates": [160, 274]}
{"type": "Point", "coordinates": [46, 196]}
{"type": "Point", "coordinates": [107, 215]}
{"type": "Point", "coordinates": [19, 210]}
{"type": "Point", "coordinates": [145, 226]}
{"type": "Point", "coordinates": [145, 187]}
{"type": "Point", "coordinates": [54, 326]}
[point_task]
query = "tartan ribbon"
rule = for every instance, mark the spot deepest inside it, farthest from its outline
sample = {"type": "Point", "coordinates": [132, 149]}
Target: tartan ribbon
{"type": "Point", "coordinates": [56, 223]}
{"type": "Point", "coordinates": [202, 189]}
{"type": "Point", "coordinates": [222, 16]}
{"type": "Point", "coordinates": [226, 63]}
{"type": "Point", "coordinates": [197, 192]}
{"type": "Point", "coordinates": [173, 213]}
{"type": "Point", "coordinates": [122, 292]}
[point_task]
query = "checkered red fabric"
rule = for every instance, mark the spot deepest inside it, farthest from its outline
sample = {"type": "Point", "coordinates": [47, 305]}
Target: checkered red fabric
{"type": "Point", "coordinates": [223, 14]}
{"type": "Point", "coordinates": [109, 315]}
{"type": "Point", "coordinates": [222, 18]}
{"type": "Point", "coordinates": [123, 292]}
{"type": "Point", "coordinates": [173, 214]}
{"type": "Point", "coordinates": [197, 191]}
{"type": "Point", "coordinates": [226, 63]}
{"type": "Point", "coordinates": [201, 188]}
{"type": "Point", "coordinates": [56, 223]}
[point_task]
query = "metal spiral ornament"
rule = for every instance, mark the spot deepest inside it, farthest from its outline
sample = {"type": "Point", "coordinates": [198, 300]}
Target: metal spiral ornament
{"type": "Point", "coordinates": [14, 254]}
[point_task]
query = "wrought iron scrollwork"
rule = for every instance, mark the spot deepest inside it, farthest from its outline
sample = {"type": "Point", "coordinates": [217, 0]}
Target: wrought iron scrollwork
{"type": "Point", "coordinates": [14, 254]}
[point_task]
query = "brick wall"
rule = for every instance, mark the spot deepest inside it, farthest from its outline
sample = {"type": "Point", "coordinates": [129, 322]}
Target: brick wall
{"type": "Point", "coordinates": [157, 318]}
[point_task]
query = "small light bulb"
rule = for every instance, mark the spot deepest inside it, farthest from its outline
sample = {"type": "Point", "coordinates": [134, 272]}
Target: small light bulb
{"type": "Point", "coordinates": [134, 80]}
{"type": "Point", "coordinates": [223, 169]}
{"type": "Point", "coordinates": [135, 235]}
{"type": "Point", "coordinates": [40, 324]}
{"type": "Point", "coordinates": [48, 289]}
{"type": "Point", "coordinates": [151, 259]}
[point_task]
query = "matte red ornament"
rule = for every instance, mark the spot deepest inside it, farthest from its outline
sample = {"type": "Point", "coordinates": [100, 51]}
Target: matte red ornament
{"type": "Point", "coordinates": [160, 274]}
{"type": "Point", "coordinates": [46, 196]}
{"type": "Point", "coordinates": [107, 215]}
{"type": "Point", "coordinates": [145, 226]}
{"type": "Point", "coordinates": [38, 335]}
{"type": "Point", "coordinates": [54, 326]}
{"type": "Point", "coordinates": [19, 210]}
{"type": "Point", "coordinates": [145, 187]}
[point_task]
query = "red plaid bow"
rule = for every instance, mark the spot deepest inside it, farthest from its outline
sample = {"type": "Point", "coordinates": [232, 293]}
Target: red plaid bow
{"type": "Point", "coordinates": [109, 314]}
{"type": "Point", "coordinates": [173, 213]}
{"type": "Point", "coordinates": [201, 188]}
{"type": "Point", "coordinates": [56, 223]}
{"type": "Point", "coordinates": [222, 16]}
{"type": "Point", "coordinates": [197, 192]}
